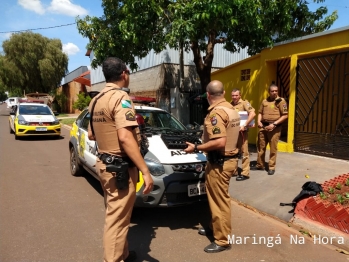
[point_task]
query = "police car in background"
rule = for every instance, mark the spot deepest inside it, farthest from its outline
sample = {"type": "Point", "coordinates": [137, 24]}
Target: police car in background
{"type": "Point", "coordinates": [178, 177]}
{"type": "Point", "coordinates": [33, 119]}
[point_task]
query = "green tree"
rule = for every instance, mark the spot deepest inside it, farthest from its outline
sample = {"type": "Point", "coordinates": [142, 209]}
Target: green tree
{"type": "Point", "coordinates": [32, 63]}
{"type": "Point", "coordinates": [60, 101]}
{"type": "Point", "coordinates": [131, 28]}
{"type": "Point", "coordinates": [82, 102]}
{"type": "Point", "coordinates": [3, 95]}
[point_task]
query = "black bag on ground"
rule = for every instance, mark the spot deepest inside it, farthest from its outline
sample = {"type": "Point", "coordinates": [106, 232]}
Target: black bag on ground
{"type": "Point", "coordinates": [310, 188]}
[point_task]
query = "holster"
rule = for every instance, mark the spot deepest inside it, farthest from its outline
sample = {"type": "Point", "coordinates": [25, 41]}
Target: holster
{"type": "Point", "coordinates": [265, 123]}
{"type": "Point", "coordinates": [215, 157]}
{"type": "Point", "coordinates": [122, 175]}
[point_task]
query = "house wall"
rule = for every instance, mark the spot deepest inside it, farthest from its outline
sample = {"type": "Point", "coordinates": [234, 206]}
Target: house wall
{"type": "Point", "coordinates": [221, 59]}
{"type": "Point", "coordinates": [71, 91]}
{"type": "Point", "coordinates": [162, 82]}
{"type": "Point", "coordinates": [263, 71]}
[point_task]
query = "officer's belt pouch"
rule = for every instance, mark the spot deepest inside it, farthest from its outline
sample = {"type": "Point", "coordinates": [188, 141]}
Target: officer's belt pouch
{"type": "Point", "coordinates": [122, 175]}
{"type": "Point", "coordinates": [215, 157]}
{"type": "Point", "coordinates": [265, 123]}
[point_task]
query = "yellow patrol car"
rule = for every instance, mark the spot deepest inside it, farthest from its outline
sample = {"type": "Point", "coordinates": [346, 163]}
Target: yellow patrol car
{"type": "Point", "coordinates": [178, 176]}
{"type": "Point", "coordinates": [33, 119]}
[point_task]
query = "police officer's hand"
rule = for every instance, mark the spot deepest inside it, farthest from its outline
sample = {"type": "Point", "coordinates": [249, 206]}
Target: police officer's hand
{"type": "Point", "coordinates": [190, 148]}
{"type": "Point", "coordinates": [270, 127]}
{"type": "Point", "coordinates": [243, 128]}
{"type": "Point", "coordinates": [148, 183]}
{"type": "Point", "coordinates": [260, 125]}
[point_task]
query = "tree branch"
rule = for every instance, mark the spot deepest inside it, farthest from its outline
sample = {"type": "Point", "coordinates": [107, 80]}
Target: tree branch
{"type": "Point", "coordinates": [221, 40]}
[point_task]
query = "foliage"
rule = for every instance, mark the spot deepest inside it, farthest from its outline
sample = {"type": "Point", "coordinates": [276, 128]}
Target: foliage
{"type": "Point", "coordinates": [82, 102]}
{"type": "Point", "coordinates": [338, 194]}
{"type": "Point", "coordinates": [32, 63]}
{"type": "Point", "coordinates": [131, 28]}
{"type": "Point", "coordinates": [340, 199]}
{"type": "Point", "coordinates": [347, 182]}
{"type": "Point", "coordinates": [331, 190]}
{"type": "Point", "coordinates": [61, 100]}
{"type": "Point", "coordinates": [339, 186]}
{"type": "Point", "coordinates": [323, 195]}
{"type": "Point", "coordinates": [3, 95]}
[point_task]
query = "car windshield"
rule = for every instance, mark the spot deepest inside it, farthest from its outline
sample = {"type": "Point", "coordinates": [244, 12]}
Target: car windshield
{"type": "Point", "coordinates": [160, 119]}
{"type": "Point", "coordinates": [34, 110]}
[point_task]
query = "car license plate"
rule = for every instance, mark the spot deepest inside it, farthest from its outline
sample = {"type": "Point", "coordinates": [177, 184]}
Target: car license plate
{"type": "Point", "coordinates": [197, 189]}
{"type": "Point", "coordinates": [41, 129]}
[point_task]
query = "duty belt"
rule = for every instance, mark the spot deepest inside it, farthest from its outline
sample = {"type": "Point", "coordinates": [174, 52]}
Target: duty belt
{"type": "Point", "coordinates": [230, 157]}
{"type": "Point", "coordinates": [225, 158]}
{"type": "Point", "coordinates": [114, 160]}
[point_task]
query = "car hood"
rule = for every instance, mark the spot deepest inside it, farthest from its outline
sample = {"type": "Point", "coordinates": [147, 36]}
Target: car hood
{"type": "Point", "coordinates": [37, 118]}
{"type": "Point", "coordinates": [172, 156]}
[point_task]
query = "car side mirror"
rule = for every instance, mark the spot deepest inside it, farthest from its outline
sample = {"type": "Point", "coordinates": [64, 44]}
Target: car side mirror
{"type": "Point", "coordinates": [189, 126]}
{"type": "Point", "coordinates": [56, 113]}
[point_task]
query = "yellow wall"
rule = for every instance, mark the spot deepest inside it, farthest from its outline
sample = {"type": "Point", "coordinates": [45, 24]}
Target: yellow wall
{"type": "Point", "coordinates": [263, 71]}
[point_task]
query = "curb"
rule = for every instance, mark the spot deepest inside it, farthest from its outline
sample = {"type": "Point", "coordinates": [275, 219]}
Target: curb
{"type": "Point", "coordinates": [326, 232]}
{"type": "Point", "coordinates": [314, 228]}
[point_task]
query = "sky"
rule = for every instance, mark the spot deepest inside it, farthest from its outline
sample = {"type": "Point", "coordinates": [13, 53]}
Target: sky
{"type": "Point", "coordinates": [17, 15]}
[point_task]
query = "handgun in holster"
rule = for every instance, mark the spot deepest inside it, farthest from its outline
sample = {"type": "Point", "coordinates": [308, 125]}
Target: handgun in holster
{"type": "Point", "coordinates": [265, 123]}
{"type": "Point", "coordinates": [122, 176]}
{"type": "Point", "coordinates": [215, 157]}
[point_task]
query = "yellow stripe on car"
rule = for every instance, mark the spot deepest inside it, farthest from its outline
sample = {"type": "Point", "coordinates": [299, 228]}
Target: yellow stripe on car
{"type": "Point", "coordinates": [140, 183]}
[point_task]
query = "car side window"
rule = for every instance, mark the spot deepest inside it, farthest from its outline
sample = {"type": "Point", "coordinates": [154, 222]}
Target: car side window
{"type": "Point", "coordinates": [80, 117]}
{"type": "Point", "coordinates": [85, 121]}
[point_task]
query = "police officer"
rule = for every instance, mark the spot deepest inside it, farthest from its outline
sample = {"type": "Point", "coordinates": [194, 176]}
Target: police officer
{"type": "Point", "coordinates": [115, 129]}
{"type": "Point", "coordinates": [243, 105]}
{"type": "Point", "coordinates": [272, 113]}
{"type": "Point", "coordinates": [221, 131]}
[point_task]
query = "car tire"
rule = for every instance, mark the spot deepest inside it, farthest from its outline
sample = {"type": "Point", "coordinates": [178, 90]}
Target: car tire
{"type": "Point", "coordinates": [11, 131]}
{"type": "Point", "coordinates": [75, 168]}
{"type": "Point", "coordinates": [16, 137]}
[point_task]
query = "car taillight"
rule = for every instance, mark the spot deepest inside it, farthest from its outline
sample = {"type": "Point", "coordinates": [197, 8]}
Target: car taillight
{"type": "Point", "coordinates": [140, 121]}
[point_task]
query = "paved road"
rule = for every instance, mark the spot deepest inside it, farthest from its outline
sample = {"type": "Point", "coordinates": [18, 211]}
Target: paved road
{"type": "Point", "coordinates": [47, 215]}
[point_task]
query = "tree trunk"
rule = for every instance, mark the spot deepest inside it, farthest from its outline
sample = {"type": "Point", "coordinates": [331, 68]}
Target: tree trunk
{"type": "Point", "coordinates": [204, 65]}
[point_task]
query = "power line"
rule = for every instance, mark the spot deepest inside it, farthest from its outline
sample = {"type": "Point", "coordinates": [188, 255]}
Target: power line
{"type": "Point", "coordinates": [36, 28]}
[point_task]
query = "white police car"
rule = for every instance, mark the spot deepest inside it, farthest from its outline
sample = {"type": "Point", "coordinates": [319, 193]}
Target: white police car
{"type": "Point", "coordinates": [178, 176]}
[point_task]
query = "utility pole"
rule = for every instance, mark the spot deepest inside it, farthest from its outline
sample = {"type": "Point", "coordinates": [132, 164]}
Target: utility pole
{"type": "Point", "coordinates": [181, 67]}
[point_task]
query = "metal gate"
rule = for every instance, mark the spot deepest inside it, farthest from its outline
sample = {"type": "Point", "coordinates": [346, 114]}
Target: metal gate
{"type": "Point", "coordinates": [196, 108]}
{"type": "Point", "coordinates": [322, 106]}
{"type": "Point", "coordinates": [283, 82]}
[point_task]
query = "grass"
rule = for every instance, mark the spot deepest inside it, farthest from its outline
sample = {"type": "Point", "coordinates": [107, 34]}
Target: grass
{"type": "Point", "coordinates": [62, 115]}
{"type": "Point", "coordinates": [68, 121]}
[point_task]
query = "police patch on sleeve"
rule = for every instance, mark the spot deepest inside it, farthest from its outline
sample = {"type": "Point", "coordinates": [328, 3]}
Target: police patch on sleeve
{"type": "Point", "coordinates": [285, 108]}
{"type": "Point", "coordinates": [213, 120]}
{"type": "Point", "coordinates": [126, 104]}
{"type": "Point", "coordinates": [130, 115]}
{"type": "Point", "coordinates": [216, 130]}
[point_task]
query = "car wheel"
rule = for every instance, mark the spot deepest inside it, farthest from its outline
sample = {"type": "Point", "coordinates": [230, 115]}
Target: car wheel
{"type": "Point", "coordinates": [75, 167]}
{"type": "Point", "coordinates": [11, 131]}
{"type": "Point", "coordinates": [16, 137]}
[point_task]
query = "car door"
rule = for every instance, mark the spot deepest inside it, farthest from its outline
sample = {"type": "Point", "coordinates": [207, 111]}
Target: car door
{"type": "Point", "coordinates": [87, 147]}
